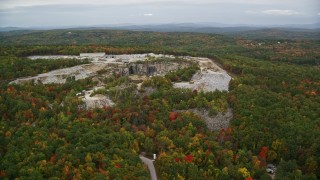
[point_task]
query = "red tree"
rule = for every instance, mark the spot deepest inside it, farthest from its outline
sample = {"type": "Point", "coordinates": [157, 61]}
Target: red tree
{"type": "Point", "coordinates": [173, 116]}
{"type": "Point", "coordinates": [90, 114]}
{"type": "Point", "coordinates": [263, 152]}
{"type": "Point", "coordinates": [188, 158]}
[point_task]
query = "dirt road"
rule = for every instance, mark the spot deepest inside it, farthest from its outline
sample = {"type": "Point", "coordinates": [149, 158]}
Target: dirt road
{"type": "Point", "coordinates": [150, 165]}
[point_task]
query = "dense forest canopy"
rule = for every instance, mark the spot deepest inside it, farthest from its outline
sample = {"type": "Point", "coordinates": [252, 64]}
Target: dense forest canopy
{"type": "Point", "coordinates": [195, 44]}
{"type": "Point", "coordinates": [274, 95]}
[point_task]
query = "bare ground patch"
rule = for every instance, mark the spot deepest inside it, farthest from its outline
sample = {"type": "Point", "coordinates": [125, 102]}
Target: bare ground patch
{"type": "Point", "coordinates": [219, 121]}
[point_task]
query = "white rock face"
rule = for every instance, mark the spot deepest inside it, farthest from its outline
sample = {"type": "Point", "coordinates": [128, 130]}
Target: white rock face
{"type": "Point", "coordinates": [96, 101]}
{"type": "Point", "coordinates": [55, 57]}
{"type": "Point", "coordinates": [210, 78]}
{"type": "Point", "coordinates": [60, 76]}
{"type": "Point", "coordinates": [83, 71]}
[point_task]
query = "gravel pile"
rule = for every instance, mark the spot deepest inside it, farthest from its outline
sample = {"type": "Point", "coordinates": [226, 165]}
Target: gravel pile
{"type": "Point", "coordinates": [97, 101]}
{"type": "Point", "coordinates": [207, 81]}
{"type": "Point", "coordinates": [210, 78]}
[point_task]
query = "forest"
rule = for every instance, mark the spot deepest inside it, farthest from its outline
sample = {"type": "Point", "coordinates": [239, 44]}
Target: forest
{"type": "Point", "coordinates": [274, 95]}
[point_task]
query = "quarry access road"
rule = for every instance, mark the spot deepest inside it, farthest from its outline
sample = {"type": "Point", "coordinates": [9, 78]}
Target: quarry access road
{"type": "Point", "coordinates": [150, 165]}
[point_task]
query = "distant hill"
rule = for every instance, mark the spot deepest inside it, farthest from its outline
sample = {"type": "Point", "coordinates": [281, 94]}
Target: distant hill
{"type": "Point", "coordinates": [6, 29]}
{"type": "Point", "coordinates": [185, 28]}
{"type": "Point", "coordinates": [250, 32]}
{"type": "Point", "coordinates": [309, 31]}
{"type": "Point", "coordinates": [294, 34]}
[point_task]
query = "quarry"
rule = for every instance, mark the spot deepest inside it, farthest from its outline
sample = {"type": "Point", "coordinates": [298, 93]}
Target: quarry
{"type": "Point", "coordinates": [210, 77]}
{"type": "Point", "coordinates": [138, 67]}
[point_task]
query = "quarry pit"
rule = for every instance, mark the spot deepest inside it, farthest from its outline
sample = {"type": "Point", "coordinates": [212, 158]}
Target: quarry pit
{"type": "Point", "coordinates": [139, 67]}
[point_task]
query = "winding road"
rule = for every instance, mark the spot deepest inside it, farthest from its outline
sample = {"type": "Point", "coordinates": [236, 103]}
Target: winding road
{"type": "Point", "coordinates": [150, 165]}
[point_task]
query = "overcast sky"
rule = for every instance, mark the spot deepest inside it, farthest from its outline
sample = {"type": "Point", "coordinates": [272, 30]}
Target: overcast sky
{"type": "Point", "coordinates": [24, 13]}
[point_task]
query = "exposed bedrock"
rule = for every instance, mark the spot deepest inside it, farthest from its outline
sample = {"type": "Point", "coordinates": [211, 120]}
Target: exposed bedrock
{"type": "Point", "coordinates": [152, 68]}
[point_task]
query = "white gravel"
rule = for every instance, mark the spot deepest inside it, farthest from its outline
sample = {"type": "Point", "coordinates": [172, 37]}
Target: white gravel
{"type": "Point", "coordinates": [96, 101]}
{"type": "Point", "coordinates": [209, 78]}
{"type": "Point", "coordinates": [59, 76]}
{"type": "Point", "coordinates": [55, 57]}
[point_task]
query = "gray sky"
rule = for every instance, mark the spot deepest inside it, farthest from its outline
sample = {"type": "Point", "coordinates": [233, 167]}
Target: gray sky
{"type": "Point", "coordinates": [23, 13]}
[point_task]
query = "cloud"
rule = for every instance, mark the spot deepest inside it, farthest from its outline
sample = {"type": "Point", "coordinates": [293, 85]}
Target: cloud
{"type": "Point", "coordinates": [275, 12]}
{"type": "Point", "coordinates": [280, 12]}
{"type": "Point", "coordinates": [319, 14]}
{"type": "Point", "coordinates": [148, 14]}
{"type": "Point", "coordinates": [7, 4]}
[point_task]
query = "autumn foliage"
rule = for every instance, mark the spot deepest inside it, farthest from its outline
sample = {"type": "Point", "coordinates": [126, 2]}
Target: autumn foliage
{"type": "Point", "coordinates": [90, 114]}
{"type": "Point", "coordinates": [53, 157]}
{"type": "Point", "coordinates": [263, 152]}
{"type": "Point", "coordinates": [173, 116]}
{"type": "Point", "coordinates": [46, 133]}
{"type": "Point", "coordinates": [188, 158]}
